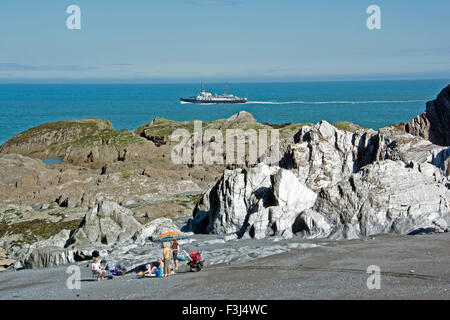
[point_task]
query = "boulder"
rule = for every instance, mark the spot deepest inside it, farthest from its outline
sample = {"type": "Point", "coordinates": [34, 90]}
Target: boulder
{"type": "Point", "coordinates": [58, 240]}
{"type": "Point", "coordinates": [48, 257]}
{"type": "Point", "coordinates": [434, 123]}
{"type": "Point", "coordinates": [312, 224]}
{"type": "Point", "coordinates": [107, 223]}
{"type": "Point", "coordinates": [45, 253]}
{"type": "Point", "coordinates": [242, 116]}
{"type": "Point", "coordinates": [254, 202]}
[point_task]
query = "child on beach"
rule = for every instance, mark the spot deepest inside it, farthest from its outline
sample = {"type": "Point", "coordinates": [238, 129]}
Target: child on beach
{"type": "Point", "coordinates": [157, 265]}
{"type": "Point", "coordinates": [152, 267]}
{"type": "Point", "coordinates": [158, 268]}
{"type": "Point", "coordinates": [147, 272]}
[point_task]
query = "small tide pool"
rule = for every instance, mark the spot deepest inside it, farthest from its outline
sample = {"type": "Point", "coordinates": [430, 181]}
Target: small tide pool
{"type": "Point", "coordinates": [52, 161]}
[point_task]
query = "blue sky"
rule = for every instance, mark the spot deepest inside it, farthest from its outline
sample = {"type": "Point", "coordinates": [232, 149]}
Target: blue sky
{"type": "Point", "coordinates": [223, 40]}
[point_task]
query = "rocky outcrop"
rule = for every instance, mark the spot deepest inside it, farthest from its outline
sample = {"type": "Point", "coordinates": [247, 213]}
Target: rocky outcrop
{"type": "Point", "coordinates": [109, 146]}
{"type": "Point", "coordinates": [27, 181]}
{"type": "Point", "coordinates": [395, 145]}
{"type": "Point", "coordinates": [18, 171]}
{"type": "Point", "coordinates": [45, 253]}
{"type": "Point", "coordinates": [48, 257]}
{"type": "Point", "coordinates": [159, 129]}
{"type": "Point", "coordinates": [46, 140]}
{"type": "Point", "coordinates": [89, 142]}
{"type": "Point", "coordinates": [253, 202]}
{"type": "Point", "coordinates": [434, 123]}
{"type": "Point", "coordinates": [242, 117]}
{"type": "Point", "coordinates": [107, 228]}
{"type": "Point", "coordinates": [324, 159]}
{"type": "Point", "coordinates": [21, 178]}
{"type": "Point", "coordinates": [325, 155]}
{"type": "Point", "coordinates": [107, 223]}
{"type": "Point", "coordinates": [384, 197]}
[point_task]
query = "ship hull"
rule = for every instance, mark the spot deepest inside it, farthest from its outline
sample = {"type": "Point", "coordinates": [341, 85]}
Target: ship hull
{"type": "Point", "coordinates": [217, 101]}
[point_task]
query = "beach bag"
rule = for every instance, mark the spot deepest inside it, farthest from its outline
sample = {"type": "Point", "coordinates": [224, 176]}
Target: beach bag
{"type": "Point", "coordinates": [158, 272]}
{"type": "Point", "coordinates": [110, 266]}
{"type": "Point", "coordinates": [116, 272]}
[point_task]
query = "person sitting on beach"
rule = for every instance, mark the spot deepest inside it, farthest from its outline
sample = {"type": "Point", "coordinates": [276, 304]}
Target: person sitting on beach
{"type": "Point", "coordinates": [157, 264]}
{"type": "Point", "coordinates": [147, 272]}
{"type": "Point", "coordinates": [97, 269]}
{"type": "Point", "coordinates": [151, 268]}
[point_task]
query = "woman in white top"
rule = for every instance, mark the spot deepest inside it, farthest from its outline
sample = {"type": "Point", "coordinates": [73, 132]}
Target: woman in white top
{"type": "Point", "coordinates": [97, 269]}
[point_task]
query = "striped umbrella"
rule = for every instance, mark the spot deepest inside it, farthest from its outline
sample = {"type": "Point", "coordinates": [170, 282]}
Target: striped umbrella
{"type": "Point", "coordinates": [167, 236]}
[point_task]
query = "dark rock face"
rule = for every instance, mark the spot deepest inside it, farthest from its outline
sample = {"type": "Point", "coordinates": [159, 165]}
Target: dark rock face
{"type": "Point", "coordinates": [157, 140]}
{"type": "Point", "coordinates": [434, 123]}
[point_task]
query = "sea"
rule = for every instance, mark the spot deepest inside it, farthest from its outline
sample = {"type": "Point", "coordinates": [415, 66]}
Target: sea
{"type": "Point", "coordinates": [371, 104]}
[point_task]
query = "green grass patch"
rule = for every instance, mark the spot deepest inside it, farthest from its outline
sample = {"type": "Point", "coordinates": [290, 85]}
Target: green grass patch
{"type": "Point", "coordinates": [109, 137]}
{"type": "Point", "coordinates": [74, 129]}
{"type": "Point", "coordinates": [10, 215]}
{"type": "Point", "coordinates": [37, 229]}
{"type": "Point", "coordinates": [346, 126]}
{"type": "Point", "coordinates": [164, 128]}
{"type": "Point", "coordinates": [126, 174]}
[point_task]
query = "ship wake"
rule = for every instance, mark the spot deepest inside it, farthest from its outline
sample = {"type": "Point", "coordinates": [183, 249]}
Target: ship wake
{"type": "Point", "coordinates": [334, 102]}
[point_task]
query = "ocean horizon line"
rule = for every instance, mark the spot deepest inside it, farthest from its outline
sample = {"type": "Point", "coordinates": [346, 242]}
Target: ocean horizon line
{"type": "Point", "coordinates": [169, 82]}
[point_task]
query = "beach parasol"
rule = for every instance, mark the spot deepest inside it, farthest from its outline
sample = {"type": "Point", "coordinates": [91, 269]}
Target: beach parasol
{"type": "Point", "coordinates": [167, 236]}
